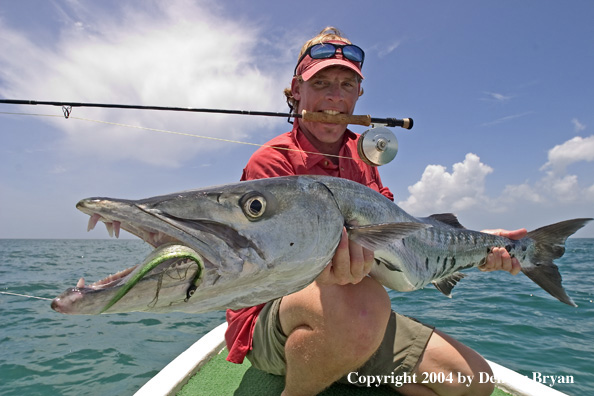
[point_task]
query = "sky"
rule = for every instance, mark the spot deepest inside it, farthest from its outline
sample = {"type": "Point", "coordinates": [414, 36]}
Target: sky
{"type": "Point", "coordinates": [501, 93]}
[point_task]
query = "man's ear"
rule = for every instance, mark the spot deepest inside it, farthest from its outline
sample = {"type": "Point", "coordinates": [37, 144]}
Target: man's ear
{"type": "Point", "coordinates": [296, 88]}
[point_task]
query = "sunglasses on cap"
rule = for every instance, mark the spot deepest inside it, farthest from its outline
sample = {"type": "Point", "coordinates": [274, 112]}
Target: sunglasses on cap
{"type": "Point", "coordinates": [328, 50]}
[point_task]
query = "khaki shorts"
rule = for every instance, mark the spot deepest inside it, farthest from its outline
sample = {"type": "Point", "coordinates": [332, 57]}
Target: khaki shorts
{"type": "Point", "coordinates": [403, 344]}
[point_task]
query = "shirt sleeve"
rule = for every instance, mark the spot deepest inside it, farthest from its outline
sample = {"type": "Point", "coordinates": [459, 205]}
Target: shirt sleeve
{"type": "Point", "coordinates": [385, 191]}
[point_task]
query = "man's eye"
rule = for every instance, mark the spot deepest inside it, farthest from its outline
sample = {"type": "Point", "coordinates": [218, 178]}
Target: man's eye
{"type": "Point", "coordinates": [349, 86]}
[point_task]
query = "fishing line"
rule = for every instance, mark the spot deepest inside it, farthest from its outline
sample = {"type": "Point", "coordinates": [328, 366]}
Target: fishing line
{"type": "Point", "coordinates": [180, 134]}
{"type": "Point", "coordinates": [26, 295]}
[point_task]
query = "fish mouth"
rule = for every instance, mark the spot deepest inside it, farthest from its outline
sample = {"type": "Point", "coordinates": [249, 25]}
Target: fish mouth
{"type": "Point", "coordinates": [66, 300]}
{"type": "Point", "coordinates": [173, 246]}
{"type": "Point", "coordinates": [218, 243]}
{"type": "Point", "coordinates": [153, 227]}
{"type": "Point", "coordinates": [114, 224]}
{"type": "Point", "coordinates": [183, 267]}
{"type": "Point", "coordinates": [201, 245]}
{"type": "Point", "coordinates": [108, 282]}
{"type": "Point", "coordinates": [152, 236]}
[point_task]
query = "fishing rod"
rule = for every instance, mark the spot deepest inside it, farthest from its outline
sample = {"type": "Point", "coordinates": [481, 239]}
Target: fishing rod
{"type": "Point", "coordinates": [366, 120]}
{"type": "Point", "coordinates": [376, 146]}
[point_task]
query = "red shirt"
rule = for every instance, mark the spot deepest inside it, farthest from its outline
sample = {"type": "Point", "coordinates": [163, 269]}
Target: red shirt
{"type": "Point", "coordinates": [294, 155]}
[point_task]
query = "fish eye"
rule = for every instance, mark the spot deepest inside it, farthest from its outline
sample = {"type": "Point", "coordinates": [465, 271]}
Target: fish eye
{"type": "Point", "coordinates": [254, 206]}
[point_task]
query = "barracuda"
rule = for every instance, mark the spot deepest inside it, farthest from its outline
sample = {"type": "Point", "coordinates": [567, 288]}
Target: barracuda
{"type": "Point", "coordinates": [238, 245]}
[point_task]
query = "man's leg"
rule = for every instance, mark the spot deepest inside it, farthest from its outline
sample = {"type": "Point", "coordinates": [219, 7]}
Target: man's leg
{"type": "Point", "coordinates": [455, 360]}
{"type": "Point", "coordinates": [331, 330]}
{"type": "Point", "coordinates": [321, 350]}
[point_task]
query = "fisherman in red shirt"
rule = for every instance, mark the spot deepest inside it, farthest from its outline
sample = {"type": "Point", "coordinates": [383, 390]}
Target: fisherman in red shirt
{"type": "Point", "coordinates": [343, 321]}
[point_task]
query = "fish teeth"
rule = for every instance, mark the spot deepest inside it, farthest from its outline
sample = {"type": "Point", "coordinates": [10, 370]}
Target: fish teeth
{"type": "Point", "coordinates": [155, 238]}
{"type": "Point", "coordinates": [111, 278]}
{"type": "Point", "coordinates": [150, 237]}
{"type": "Point", "coordinates": [93, 221]}
{"type": "Point", "coordinates": [112, 227]}
{"type": "Point", "coordinates": [81, 283]}
{"type": "Point", "coordinates": [109, 227]}
{"type": "Point", "coordinates": [116, 228]}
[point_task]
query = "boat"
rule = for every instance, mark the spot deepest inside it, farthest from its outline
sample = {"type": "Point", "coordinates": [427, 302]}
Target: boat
{"type": "Point", "coordinates": [203, 370]}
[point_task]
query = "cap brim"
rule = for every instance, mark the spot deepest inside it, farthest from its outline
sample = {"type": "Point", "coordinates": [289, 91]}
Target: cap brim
{"type": "Point", "coordinates": [318, 64]}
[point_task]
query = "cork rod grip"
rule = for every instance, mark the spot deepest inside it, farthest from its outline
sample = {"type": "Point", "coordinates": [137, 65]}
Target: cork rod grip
{"type": "Point", "coordinates": [336, 119]}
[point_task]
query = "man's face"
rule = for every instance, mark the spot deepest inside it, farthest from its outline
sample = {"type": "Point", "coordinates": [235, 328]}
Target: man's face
{"type": "Point", "coordinates": [332, 90]}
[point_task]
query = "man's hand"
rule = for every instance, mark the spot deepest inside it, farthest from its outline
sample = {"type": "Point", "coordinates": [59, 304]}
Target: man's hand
{"type": "Point", "coordinates": [499, 258]}
{"type": "Point", "coordinates": [350, 264]}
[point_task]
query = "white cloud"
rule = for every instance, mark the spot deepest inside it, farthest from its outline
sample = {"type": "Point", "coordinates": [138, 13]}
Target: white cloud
{"type": "Point", "coordinates": [552, 190]}
{"type": "Point", "coordinates": [497, 97]}
{"type": "Point", "coordinates": [572, 151]}
{"type": "Point", "coordinates": [577, 125]}
{"type": "Point", "coordinates": [561, 188]}
{"type": "Point", "coordinates": [506, 118]}
{"type": "Point", "coordinates": [387, 49]}
{"type": "Point", "coordinates": [58, 169]}
{"type": "Point", "coordinates": [166, 54]}
{"type": "Point", "coordinates": [589, 193]}
{"type": "Point", "coordinates": [555, 194]}
{"type": "Point", "coordinates": [439, 190]}
{"type": "Point", "coordinates": [521, 192]}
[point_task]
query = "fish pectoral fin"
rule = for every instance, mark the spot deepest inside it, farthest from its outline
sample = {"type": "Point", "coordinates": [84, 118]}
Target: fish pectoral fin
{"type": "Point", "coordinates": [378, 236]}
{"type": "Point", "coordinates": [445, 285]}
{"type": "Point", "coordinates": [392, 267]}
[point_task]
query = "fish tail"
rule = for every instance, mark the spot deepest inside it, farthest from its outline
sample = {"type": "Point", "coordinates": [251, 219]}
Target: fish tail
{"type": "Point", "coordinates": [549, 244]}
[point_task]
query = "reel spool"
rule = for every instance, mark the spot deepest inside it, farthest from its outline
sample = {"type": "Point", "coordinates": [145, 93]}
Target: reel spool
{"type": "Point", "coordinates": [377, 146]}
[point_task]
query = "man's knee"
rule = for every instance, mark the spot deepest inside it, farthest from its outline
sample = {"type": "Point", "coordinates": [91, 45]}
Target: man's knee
{"type": "Point", "coordinates": [464, 367]}
{"type": "Point", "coordinates": [480, 386]}
{"type": "Point", "coordinates": [360, 316]}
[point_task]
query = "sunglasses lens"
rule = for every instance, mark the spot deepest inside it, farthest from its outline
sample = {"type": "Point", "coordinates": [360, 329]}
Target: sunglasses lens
{"type": "Point", "coordinates": [353, 53]}
{"type": "Point", "coordinates": [322, 51]}
{"type": "Point", "coordinates": [328, 50]}
{"type": "Point", "coordinates": [325, 51]}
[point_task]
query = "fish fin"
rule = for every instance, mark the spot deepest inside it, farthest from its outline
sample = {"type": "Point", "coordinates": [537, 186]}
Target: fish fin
{"type": "Point", "coordinates": [445, 285]}
{"type": "Point", "coordinates": [549, 244]}
{"type": "Point", "coordinates": [378, 236]}
{"type": "Point", "coordinates": [447, 218]}
{"type": "Point", "coordinates": [387, 264]}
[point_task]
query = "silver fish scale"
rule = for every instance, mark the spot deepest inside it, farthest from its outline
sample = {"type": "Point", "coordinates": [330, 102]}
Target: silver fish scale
{"type": "Point", "coordinates": [433, 254]}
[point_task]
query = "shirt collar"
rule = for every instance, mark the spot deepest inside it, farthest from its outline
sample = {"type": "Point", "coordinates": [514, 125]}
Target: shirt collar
{"type": "Point", "coordinates": [310, 155]}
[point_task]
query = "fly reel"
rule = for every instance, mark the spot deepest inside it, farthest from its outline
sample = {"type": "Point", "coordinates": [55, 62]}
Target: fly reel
{"type": "Point", "coordinates": [377, 146]}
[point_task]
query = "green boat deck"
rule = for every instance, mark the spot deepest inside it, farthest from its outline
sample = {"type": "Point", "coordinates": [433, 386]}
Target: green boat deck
{"type": "Point", "coordinates": [219, 377]}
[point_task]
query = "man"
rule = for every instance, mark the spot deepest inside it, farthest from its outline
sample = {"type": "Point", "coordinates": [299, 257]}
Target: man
{"type": "Point", "coordinates": [343, 321]}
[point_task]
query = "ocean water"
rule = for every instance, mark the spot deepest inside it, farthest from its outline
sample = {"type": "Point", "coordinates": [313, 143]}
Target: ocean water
{"type": "Point", "coordinates": [508, 319]}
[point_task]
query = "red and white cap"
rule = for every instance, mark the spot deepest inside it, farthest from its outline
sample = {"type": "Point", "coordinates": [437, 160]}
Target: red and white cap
{"type": "Point", "coordinates": [309, 66]}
